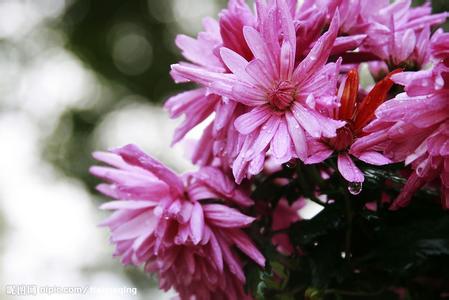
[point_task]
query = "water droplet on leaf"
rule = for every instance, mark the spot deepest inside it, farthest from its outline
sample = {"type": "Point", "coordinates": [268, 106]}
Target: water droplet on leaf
{"type": "Point", "coordinates": [355, 188]}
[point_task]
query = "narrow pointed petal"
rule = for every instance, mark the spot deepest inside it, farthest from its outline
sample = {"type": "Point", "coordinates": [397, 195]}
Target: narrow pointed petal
{"type": "Point", "coordinates": [197, 223]}
{"type": "Point", "coordinates": [243, 242]}
{"type": "Point", "coordinates": [298, 136]}
{"type": "Point", "coordinates": [256, 69]}
{"type": "Point", "coordinates": [267, 131]}
{"type": "Point", "coordinates": [349, 96]}
{"type": "Point", "coordinates": [248, 95]}
{"type": "Point", "coordinates": [319, 54]}
{"type": "Point", "coordinates": [248, 122]}
{"type": "Point", "coordinates": [372, 101]}
{"type": "Point", "coordinates": [236, 64]}
{"type": "Point", "coordinates": [287, 61]}
{"type": "Point", "coordinates": [135, 156]}
{"type": "Point", "coordinates": [225, 217]}
{"type": "Point", "coordinates": [131, 205]}
{"type": "Point", "coordinates": [281, 141]}
{"type": "Point", "coordinates": [260, 49]}
{"type": "Point", "coordinates": [373, 158]}
{"type": "Point", "coordinates": [287, 25]}
{"type": "Point", "coordinates": [217, 255]}
{"type": "Point", "coordinates": [141, 224]}
{"type": "Point", "coordinates": [348, 169]}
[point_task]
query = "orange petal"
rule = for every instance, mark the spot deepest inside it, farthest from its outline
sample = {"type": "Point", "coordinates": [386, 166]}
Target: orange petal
{"type": "Point", "coordinates": [373, 100]}
{"type": "Point", "coordinates": [349, 96]}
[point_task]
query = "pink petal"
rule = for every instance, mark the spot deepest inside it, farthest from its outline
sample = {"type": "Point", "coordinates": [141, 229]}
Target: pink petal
{"type": "Point", "coordinates": [224, 113]}
{"type": "Point", "coordinates": [232, 261]}
{"type": "Point", "coordinates": [257, 163]}
{"type": "Point", "coordinates": [348, 169]}
{"type": "Point", "coordinates": [281, 141]}
{"type": "Point", "coordinates": [198, 53]}
{"type": "Point", "coordinates": [142, 224]}
{"type": "Point", "coordinates": [236, 64]}
{"type": "Point", "coordinates": [217, 255]}
{"type": "Point", "coordinates": [220, 83]}
{"type": "Point", "coordinates": [319, 54]}
{"type": "Point", "coordinates": [373, 158]}
{"type": "Point", "coordinates": [256, 69]}
{"type": "Point", "coordinates": [197, 223]}
{"type": "Point", "coordinates": [133, 155]}
{"type": "Point", "coordinates": [318, 152]}
{"type": "Point", "coordinates": [178, 104]}
{"type": "Point", "coordinates": [346, 43]}
{"type": "Point", "coordinates": [314, 123]}
{"type": "Point", "coordinates": [248, 122]}
{"type": "Point", "coordinates": [225, 217]}
{"type": "Point", "coordinates": [298, 136]}
{"type": "Point", "coordinates": [243, 242]}
{"type": "Point", "coordinates": [131, 205]}
{"type": "Point", "coordinates": [266, 134]}
{"type": "Point", "coordinates": [287, 25]}
{"type": "Point", "coordinates": [248, 95]}
{"type": "Point", "coordinates": [287, 63]}
{"type": "Point", "coordinates": [260, 49]}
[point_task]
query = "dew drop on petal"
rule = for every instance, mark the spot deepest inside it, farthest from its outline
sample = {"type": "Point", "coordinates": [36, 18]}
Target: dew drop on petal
{"type": "Point", "coordinates": [420, 171]}
{"type": "Point", "coordinates": [355, 188]}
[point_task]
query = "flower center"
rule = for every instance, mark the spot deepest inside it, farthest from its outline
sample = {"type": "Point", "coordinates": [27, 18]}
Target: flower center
{"type": "Point", "coordinates": [282, 96]}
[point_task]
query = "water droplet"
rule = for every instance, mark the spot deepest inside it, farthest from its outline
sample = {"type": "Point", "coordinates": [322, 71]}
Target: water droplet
{"type": "Point", "coordinates": [291, 163]}
{"type": "Point", "coordinates": [355, 188]}
{"type": "Point", "coordinates": [420, 171]}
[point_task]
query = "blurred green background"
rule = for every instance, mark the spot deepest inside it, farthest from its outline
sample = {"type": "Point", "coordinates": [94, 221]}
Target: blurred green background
{"type": "Point", "coordinates": [81, 75]}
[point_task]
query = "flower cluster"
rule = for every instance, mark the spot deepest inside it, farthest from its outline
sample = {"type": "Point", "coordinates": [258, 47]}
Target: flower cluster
{"type": "Point", "coordinates": [279, 84]}
{"type": "Point", "coordinates": [166, 222]}
{"type": "Point", "coordinates": [414, 126]}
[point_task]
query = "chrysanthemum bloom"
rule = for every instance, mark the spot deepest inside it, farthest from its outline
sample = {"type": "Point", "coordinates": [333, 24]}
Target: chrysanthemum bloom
{"type": "Point", "coordinates": [286, 100]}
{"type": "Point", "coordinates": [352, 12]}
{"type": "Point", "coordinates": [357, 114]}
{"type": "Point", "coordinates": [400, 34]}
{"type": "Point", "coordinates": [199, 104]}
{"type": "Point", "coordinates": [182, 228]}
{"type": "Point", "coordinates": [414, 127]}
{"type": "Point", "coordinates": [284, 215]}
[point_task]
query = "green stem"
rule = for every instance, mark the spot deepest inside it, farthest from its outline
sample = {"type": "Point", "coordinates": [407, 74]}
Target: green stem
{"type": "Point", "coordinates": [349, 215]}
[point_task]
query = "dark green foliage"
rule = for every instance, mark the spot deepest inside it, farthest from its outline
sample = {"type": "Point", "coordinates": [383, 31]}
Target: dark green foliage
{"type": "Point", "coordinates": [350, 252]}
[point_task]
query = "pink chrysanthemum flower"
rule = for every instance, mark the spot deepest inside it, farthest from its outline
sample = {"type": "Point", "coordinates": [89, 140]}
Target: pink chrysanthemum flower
{"type": "Point", "coordinates": [285, 99]}
{"type": "Point", "coordinates": [182, 228]}
{"type": "Point", "coordinates": [199, 104]}
{"type": "Point", "coordinates": [352, 12]}
{"type": "Point", "coordinates": [400, 34]}
{"type": "Point", "coordinates": [357, 114]}
{"type": "Point", "coordinates": [414, 127]}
